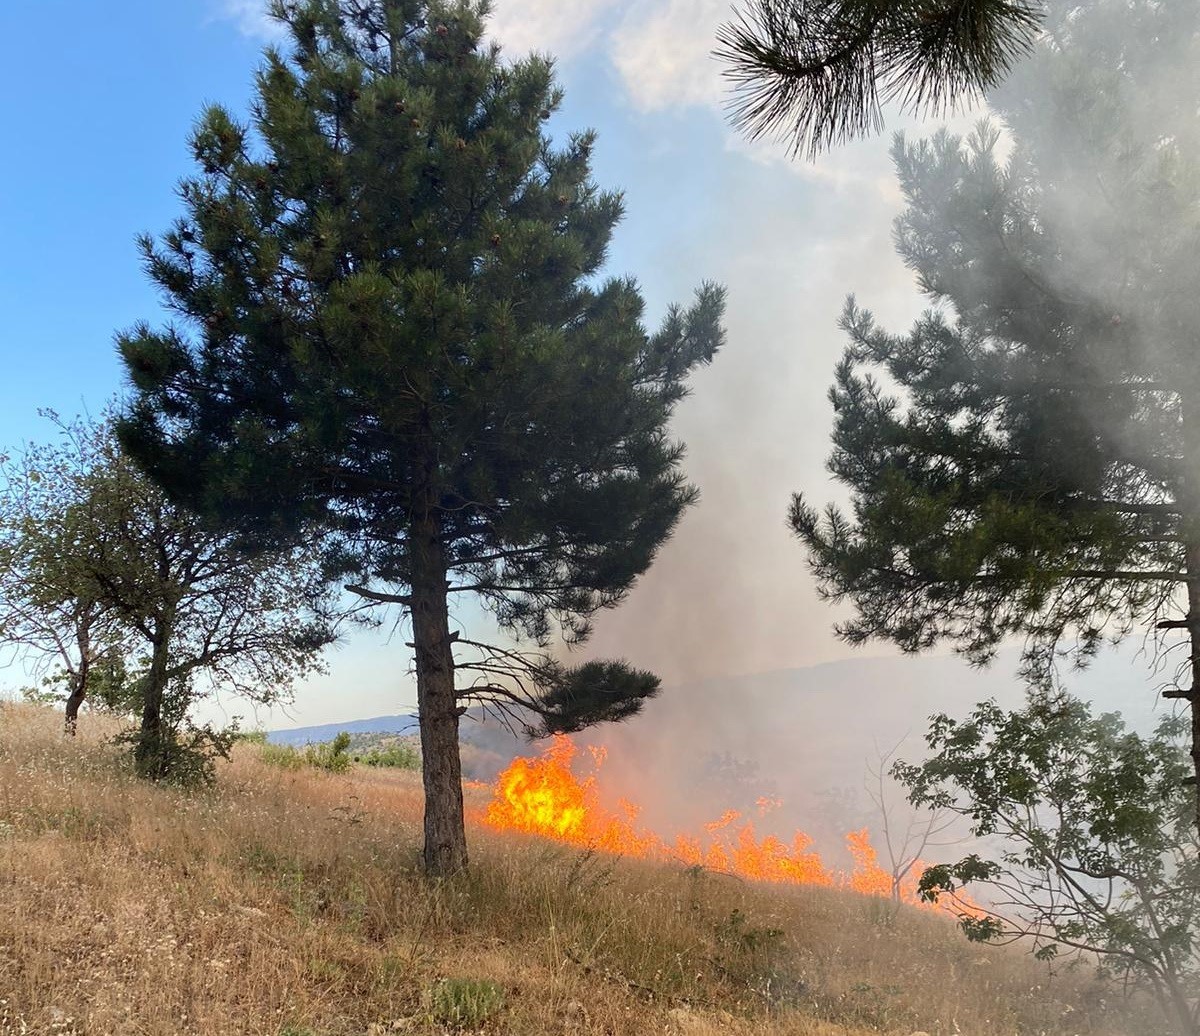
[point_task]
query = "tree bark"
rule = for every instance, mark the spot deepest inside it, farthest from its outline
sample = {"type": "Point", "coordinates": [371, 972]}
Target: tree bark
{"type": "Point", "coordinates": [1190, 528]}
{"type": "Point", "coordinates": [148, 755]}
{"type": "Point", "coordinates": [445, 832]}
{"type": "Point", "coordinates": [74, 701]}
{"type": "Point", "coordinates": [79, 690]}
{"type": "Point", "coordinates": [1193, 629]}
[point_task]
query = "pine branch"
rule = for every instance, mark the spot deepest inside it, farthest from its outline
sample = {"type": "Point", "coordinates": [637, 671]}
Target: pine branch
{"type": "Point", "coordinates": [812, 72]}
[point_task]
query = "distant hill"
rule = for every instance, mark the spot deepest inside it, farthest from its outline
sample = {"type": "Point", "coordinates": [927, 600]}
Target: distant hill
{"type": "Point", "coordinates": [402, 724]}
{"type": "Point", "coordinates": [807, 737]}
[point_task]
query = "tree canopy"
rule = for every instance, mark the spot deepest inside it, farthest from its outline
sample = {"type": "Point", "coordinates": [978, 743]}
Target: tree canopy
{"type": "Point", "coordinates": [392, 330]}
{"type": "Point", "coordinates": [1022, 463]}
{"type": "Point", "coordinates": [53, 619]}
{"type": "Point", "coordinates": [108, 580]}
{"type": "Point", "coordinates": [1098, 854]}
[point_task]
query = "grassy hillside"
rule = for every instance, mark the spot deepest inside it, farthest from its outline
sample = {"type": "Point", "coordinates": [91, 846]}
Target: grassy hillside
{"type": "Point", "coordinates": [288, 903]}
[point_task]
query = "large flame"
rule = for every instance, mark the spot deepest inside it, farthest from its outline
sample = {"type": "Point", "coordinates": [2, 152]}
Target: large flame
{"type": "Point", "coordinates": [543, 796]}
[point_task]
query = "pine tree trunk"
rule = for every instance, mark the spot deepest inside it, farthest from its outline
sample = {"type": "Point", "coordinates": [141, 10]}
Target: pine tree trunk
{"type": "Point", "coordinates": [1193, 629]}
{"type": "Point", "coordinates": [437, 706]}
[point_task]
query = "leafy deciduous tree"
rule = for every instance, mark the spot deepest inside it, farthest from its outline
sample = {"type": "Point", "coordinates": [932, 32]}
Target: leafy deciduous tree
{"type": "Point", "coordinates": [148, 589]}
{"type": "Point", "coordinates": [1100, 853]}
{"type": "Point", "coordinates": [51, 618]}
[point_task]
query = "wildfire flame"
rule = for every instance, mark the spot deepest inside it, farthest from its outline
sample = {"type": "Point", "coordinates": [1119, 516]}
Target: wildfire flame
{"type": "Point", "coordinates": [543, 796]}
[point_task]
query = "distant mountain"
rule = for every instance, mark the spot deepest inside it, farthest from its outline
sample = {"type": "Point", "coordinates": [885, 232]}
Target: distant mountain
{"type": "Point", "coordinates": [403, 724]}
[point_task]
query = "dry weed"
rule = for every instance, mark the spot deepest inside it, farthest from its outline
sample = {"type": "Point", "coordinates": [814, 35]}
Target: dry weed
{"type": "Point", "coordinates": [288, 903]}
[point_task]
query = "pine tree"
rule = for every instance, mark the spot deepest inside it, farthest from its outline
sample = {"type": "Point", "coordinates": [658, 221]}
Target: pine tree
{"type": "Point", "coordinates": [815, 71]}
{"type": "Point", "coordinates": [393, 333]}
{"type": "Point", "coordinates": [1023, 462]}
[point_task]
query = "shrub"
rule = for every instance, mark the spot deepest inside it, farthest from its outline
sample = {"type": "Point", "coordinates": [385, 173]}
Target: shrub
{"type": "Point", "coordinates": [332, 756]}
{"type": "Point", "coordinates": [285, 757]}
{"type": "Point", "coordinates": [465, 1002]}
{"type": "Point", "coordinates": [183, 755]}
{"type": "Point", "coordinates": [399, 756]}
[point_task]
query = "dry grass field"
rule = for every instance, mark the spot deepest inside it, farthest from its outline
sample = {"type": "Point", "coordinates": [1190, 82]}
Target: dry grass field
{"type": "Point", "coordinates": [288, 903]}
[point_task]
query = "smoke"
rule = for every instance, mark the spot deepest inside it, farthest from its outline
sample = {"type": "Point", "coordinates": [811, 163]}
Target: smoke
{"type": "Point", "coordinates": [1104, 120]}
{"type": "Point", "coordinates": [730, 593]}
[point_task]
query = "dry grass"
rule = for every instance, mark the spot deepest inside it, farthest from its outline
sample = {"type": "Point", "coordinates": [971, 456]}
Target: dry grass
{"type": "Point", "coordinates": [289, 904]}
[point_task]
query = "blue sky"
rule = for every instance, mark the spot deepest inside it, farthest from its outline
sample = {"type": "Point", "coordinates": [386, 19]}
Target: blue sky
{"type": "Point", "coordinates": [96, 143]}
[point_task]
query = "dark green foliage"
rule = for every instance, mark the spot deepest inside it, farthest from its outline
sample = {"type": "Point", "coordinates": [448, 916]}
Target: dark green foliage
{"type": "Point", "coordinates": [1097, 849]}
{"type": "Point", "coordinates": [1018, 461]}
{"type": "Point", "coordinates": [392, 335]}
{"type": "Point", "coordinates": [112, 686]}
{"type": "Point", "coordinates": [396, 755]}
{"type": "Point", "coordinates": [595, 692]}
{"type": "Point", "coordinates": [815, 71]}
{"type": "Point", "coordinates": [175, 750]}
{"type": "Point", "coordinates": [387, 300]}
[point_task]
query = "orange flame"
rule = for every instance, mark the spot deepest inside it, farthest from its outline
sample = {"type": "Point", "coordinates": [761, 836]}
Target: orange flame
{"type": "Point", "coordinates": [543, 796]}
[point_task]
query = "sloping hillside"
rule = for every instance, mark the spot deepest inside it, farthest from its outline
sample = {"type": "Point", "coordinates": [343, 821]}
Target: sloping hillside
{"type": "Point", "coordinates": [402, 724]}
{"type": "Point", "coordinates": [288, 903]}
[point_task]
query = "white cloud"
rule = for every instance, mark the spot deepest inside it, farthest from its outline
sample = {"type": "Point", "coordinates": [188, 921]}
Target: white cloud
{"type": "Point", "coordinates": [663, 52]}
{"type": "Point", "coordinates": [561, 27]}
{"type": "Point", "coordinates": [251, 18]}
{"type": "Point", "coordinates": [661, 49]}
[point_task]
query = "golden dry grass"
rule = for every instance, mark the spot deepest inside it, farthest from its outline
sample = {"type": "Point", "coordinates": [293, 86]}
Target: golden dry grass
{"type": "Point", "coordinates": [289, 904]}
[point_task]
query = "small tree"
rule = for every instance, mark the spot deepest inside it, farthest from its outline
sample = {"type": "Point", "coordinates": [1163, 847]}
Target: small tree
{"type": "Point", "coordinates": [176, 601]}
{"type": "Point", "coordinates": [1098, 852]}
{"type": "Point", "coordinates": [908, 832]}
{"type": "Point", "coordinates": [52, 618]}
{"type": "Point", "coordinates": [392, 330]}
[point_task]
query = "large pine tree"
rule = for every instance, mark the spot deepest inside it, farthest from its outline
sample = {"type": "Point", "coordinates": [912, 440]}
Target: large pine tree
{"type": "Point", "coordinates": [1026, 461]}
{"type": "Point", "coordinates": [393, 331]}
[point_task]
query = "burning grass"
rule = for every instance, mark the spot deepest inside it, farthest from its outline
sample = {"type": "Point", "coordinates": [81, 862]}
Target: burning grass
{"type": "Point", "coordinates": [544, 796]}
{"type": "Point", "coordinates": [288, 902]}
